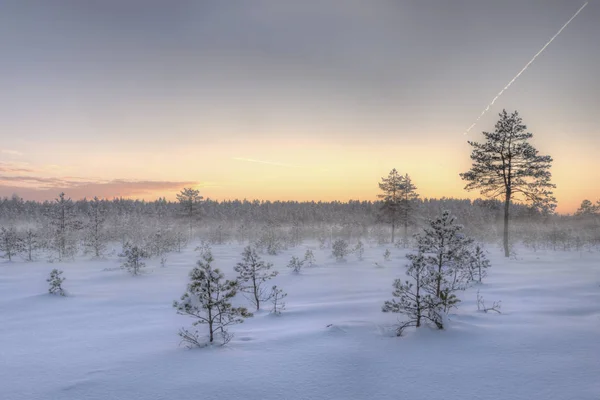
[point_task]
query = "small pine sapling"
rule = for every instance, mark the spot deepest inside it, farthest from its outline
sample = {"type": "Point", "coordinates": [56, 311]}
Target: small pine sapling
{"type": "Point", "coordinates": [447, 255]}
{"type": "Point", "coordinates": [359, 250]}
{"type": "Point", "coordinates": [322, 242]}
{"type": "Point", "coordinates": [55, 280]}
{"type": "Point", "coordinates": [309, 258]}
{"type": "Point", "coordinates": [387, 255]}
{"type": "Point", "coordinates": [203, 248]}
{"type": "Point", "coordinates": [478, 264]}
{"type": "Point", "coordinates": [277, 296]}
{"type": "Point", "coordinates": [295, 264]}
{"type": "Point", "coordinates": [416, 300]}
{"type": "Point", "coordinates": [208, 300]}
{"type": "Point", "coordinates": [339, 249]}
{"type": "Point", "coordinates": [252, 275]}
{"type": "Point", "coordinates": [133, 259]}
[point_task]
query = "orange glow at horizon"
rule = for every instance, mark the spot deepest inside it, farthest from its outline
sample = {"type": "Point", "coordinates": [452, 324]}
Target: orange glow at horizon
{"type": "Point", "coordinates": [310, 169]}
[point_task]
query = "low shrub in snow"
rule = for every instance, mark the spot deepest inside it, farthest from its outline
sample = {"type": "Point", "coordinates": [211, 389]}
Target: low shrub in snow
{"type": "Point", "coordinates": [387, 255]}
{"type": "Point", "coordinates": [359, 250]}
{"type": "Point", "coordinates": [277, 296]}
{"type": "Point", "coordinates": [309, 258]}
{"type": "Point", "coordinates": [55, 280]}
{"type": "Point", "coordinates": [339, 249]}
{"type": "Point", "coordinates": [133, 259]}
{"type": "Point", "coordinates": [296, 264]}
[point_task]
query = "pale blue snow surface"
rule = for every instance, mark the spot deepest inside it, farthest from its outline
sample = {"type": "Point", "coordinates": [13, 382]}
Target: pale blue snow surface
{"type": "Point", "coordinates": [115, 336]}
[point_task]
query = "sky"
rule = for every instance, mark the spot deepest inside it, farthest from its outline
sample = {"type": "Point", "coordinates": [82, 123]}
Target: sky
{"type": "Point", "coordinates": [287, 100]}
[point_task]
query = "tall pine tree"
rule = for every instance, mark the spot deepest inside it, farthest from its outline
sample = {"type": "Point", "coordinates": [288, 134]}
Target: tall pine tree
{"type": "Point", "coordinates": [506, 165]}
{"type": "Point", "coordinates": [408, 198]}
{"type": "Point", "coordinates": [190, 199]}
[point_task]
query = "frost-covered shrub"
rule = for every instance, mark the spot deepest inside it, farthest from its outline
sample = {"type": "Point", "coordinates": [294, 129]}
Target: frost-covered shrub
{"type": "Point", "coordinates": [340, 249]}
{"type": "Point", "coordinates": [133, 259]}
{"type": "Point", "coordinates": [309, 258]}
{"type": "Point", "coordinates": [387, 255]}
{"type": "Point", "coordinates": [55, 280]}
{"type": "Point", "coordinates": [296, 264]}
{"type": "Point", "coordinates": [203, 249]}
{"type": "Point", "coordinates": [359, 250]}
{"type": "Point", "coordinates": [322, 241]}
{"type": "Point", "coordinates": [478, 264]}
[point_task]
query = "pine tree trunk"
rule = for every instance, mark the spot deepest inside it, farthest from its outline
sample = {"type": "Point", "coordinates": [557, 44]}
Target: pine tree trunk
{"type": "Point", "coordinates": [256, 297]}
{"type": "Point", "coordinates": [506, 213]}
{"type": "Point", "coordinates": [418, 303]}
{"type": "Point", "coordinates": [393, 229]}
{"type": "Point", "coordinates": [210, 323]}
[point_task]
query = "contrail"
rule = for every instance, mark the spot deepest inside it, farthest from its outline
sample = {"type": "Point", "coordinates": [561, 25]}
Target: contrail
{"type": "Point", "coordinates": [524, 68]}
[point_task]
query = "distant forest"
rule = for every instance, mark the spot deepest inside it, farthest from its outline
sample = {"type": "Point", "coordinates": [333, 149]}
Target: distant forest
{"type": "Point", "coordinates": [66, 228]}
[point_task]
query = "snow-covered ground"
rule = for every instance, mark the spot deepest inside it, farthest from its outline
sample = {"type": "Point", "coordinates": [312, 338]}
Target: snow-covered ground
{"type": "Point", "coordinates": [115, 336]}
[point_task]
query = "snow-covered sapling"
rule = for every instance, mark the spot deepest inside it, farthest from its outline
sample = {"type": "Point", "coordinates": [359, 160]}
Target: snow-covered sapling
{"type": "Point", "coordinates": [359, 250]}
{"type": "Point", "coordinates": [447, 255]}
{"type": "Point", "coordinates": [277, 296]}
{"type": "Point", "coordinates": [208, 300]}
{"type": "Point", "coordinates": [55, 280]}
{"type": "Point", "coordinates": [478, 264]}
{"type": "Point", "coordinates": [133, 259]}
{"type": "Point", "coordinates": [252, 275]}
{"type": "Point", "coordinates": [203, 248]}
{"type": "Point", "coordinates": [322, 242]}
{"type": "Point", "coordinates": [416, 299]}
{"type": "Point", "coordinates": [309, 258]}
{"type": "Point", "coordinates": [387, 255]}
{"type": "Point", "coordinates": [340, 249]}
{"type": "Point", "coordinates": [296, 264]}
